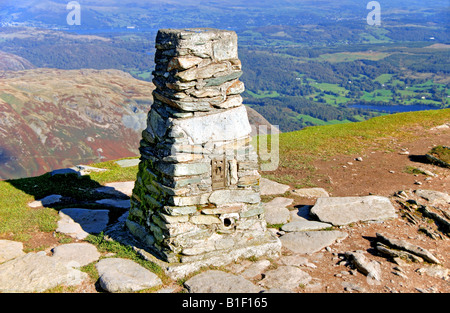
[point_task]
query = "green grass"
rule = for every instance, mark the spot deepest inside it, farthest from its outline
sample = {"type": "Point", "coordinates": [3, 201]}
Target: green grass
{"type": "Point", "coordinates": [297, 153]}
{"type": "Point", "coordinates": [298, 150]}
{"type": "Point", "coordinates": [19, 221]}
{"type": "Point", "coordinates": [352, 56]}
{"type": "Point", "coordinates": [331, 87]}
{"type": "Point", "coordinates": [441, 153]}
{"type": "Point", "coordinates": [383, 78]}
{"type": "Point", "coordinates": [263, 94]}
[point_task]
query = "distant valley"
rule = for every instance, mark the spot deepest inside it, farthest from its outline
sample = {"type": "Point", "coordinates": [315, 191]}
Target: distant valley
{"type": "Point", "coordinates": [54, 118]}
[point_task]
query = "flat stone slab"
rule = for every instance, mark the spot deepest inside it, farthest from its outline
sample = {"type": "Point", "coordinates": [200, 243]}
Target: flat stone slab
{"type": "Point", "coordinates": [276, 211]}
{"type": "Point", "coordinates": [128, 162]}
{"type": "Point", "coordinates": [117, 203]}
{"type": "Point", "coordinates": [295, 260]}
{"type": "Point", "coordinates": [304, 226]}
{"type": "Point", "coordinates": [10, 250]}
{"type": "Point", "coordinates": [310, 192]}
{"type": "Point", "coordinates": [80, 170]}
{"type": "Point", "coordinates": [76, 254]}
{"type": "Point", "coordinates": [433, 196]}
{"type": "Point", "coordinates": [46, 201]}
{"type": "Point", "coordinates": [255, 269]}
{"type": "Point", "coordinates": [286, 277]}
{"type": "Point", "coordinates": [308, 242]}
{"type": "Point", "coordinates": [79, 223]}
{"type": "Point", "coordinates": [123, 275]}
{"type": "Point", "coordinates": [301, 213]}
{"type": "Point", "coordinates": [346, 210]}
{"type": "Point", "coordinates": [37, 272]}
{"type": "Point", "coordinates": [270, 187]}
{"type": "Point", "coordinates": [117, 188]}
{"type": "Point", "coordinates": [220, 282]}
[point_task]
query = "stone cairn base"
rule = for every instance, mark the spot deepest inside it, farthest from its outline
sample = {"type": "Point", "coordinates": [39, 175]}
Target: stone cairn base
{"type": "Point", "coordinates": [196, 199]}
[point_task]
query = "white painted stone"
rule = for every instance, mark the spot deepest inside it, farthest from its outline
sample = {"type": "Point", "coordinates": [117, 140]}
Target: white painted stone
{"type": "Point", "coordinates": [220, 197]}
{"type": "Point", "coordinates": [223, 126]}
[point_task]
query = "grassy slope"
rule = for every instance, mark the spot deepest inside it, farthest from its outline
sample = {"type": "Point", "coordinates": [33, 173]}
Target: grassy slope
{"type": "Point", "coordinates": [300, 148]}
{"type": "Point", "coordinates": [297, 151]}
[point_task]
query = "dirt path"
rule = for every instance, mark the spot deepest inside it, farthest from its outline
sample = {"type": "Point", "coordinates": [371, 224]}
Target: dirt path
{"type": "Point", "coordinates": [381, 173]}
{"type": "Point", "coordinates": [384, 172]}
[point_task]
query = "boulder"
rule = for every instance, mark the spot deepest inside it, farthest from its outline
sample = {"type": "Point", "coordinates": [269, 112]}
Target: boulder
{"type": "Point", "coordinates": [345, 210]}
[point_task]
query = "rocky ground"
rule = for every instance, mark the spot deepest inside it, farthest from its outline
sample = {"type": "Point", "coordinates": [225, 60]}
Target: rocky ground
{"type": "Point", "coordinates": [403, 250]}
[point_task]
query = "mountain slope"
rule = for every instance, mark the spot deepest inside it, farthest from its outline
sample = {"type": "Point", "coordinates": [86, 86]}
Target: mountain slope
{"type": "Point", "coordinates": [53, 118]}
{"type": "Point", "coordinates": [12, 62]}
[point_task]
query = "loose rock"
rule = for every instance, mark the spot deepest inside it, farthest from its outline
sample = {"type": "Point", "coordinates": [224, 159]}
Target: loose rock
{"type": "Point", "coordinates": [403, 245]}
{"type": "Point", "coordinates": [371, 269]}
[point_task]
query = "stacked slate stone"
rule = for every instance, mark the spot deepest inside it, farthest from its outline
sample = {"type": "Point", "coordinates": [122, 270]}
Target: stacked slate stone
{"type": "Point", "coordinates": [197, 191]}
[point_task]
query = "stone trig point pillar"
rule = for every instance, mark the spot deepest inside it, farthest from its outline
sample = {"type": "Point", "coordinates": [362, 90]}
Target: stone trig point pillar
{"type": "Point", "coordinates": [196, 200]}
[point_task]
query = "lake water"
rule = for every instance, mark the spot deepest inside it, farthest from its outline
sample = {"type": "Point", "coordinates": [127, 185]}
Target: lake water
{"type": "Point", "coordinates": [394, 108]}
